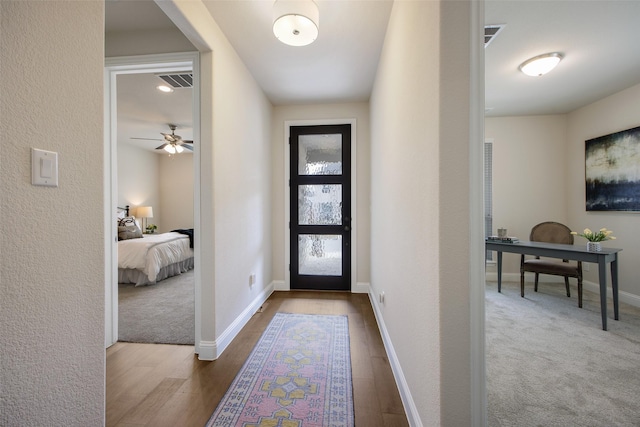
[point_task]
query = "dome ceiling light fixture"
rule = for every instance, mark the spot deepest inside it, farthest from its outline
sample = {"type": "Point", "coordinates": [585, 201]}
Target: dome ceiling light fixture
{"type": "Point", "coordinates": [541, 64]}
{"type": "Point", "coordinates": [296, 22]}
{"type": "Point", "coordinates": [164, 88]}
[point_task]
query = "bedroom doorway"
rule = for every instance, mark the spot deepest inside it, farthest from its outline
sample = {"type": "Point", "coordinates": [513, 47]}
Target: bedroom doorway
{"type": "Point", "coordinates": [320, 207]}
{"type": "Point", "coordinates": [153, 65]}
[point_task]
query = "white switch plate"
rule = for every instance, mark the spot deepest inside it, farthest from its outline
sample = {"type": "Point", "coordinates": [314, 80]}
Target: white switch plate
{"type": "Point", "coordinates": [44, 168]}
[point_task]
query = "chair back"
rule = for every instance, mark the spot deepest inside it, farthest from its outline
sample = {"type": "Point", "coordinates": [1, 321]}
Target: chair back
{"type": "Point", "coordinates": [551, 232]}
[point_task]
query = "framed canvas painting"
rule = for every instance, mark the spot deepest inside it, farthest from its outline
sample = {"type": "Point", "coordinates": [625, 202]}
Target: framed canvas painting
{"type": "Point", "coordinates": [612, 171]}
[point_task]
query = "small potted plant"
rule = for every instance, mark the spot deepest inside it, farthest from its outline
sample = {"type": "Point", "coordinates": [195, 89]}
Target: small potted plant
{"type": "Point", "coordinates": [594, 239]}
{"type": "Point", "coordinates": [151, 228]}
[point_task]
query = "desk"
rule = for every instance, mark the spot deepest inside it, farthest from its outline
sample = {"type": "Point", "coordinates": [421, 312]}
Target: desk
{"type": "Point", "coordinates": [569, 252]}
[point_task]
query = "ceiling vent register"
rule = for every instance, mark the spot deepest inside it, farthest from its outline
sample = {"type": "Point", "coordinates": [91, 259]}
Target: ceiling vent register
{"type": "Point", "coordinates": [178, 81]}
{"type": "Point", "coordinates": [490, 33]}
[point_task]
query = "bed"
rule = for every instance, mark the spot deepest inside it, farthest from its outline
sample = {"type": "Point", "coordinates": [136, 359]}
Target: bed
{"type": "Point", "coordinates": [145, 259]}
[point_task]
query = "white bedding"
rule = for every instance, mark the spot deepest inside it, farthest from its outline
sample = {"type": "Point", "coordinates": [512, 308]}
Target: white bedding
{"type": "Point", "coordinates": [153, 252]}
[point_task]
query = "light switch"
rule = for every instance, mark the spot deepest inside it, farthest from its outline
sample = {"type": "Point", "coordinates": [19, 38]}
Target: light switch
{"type": "Point", "coordinates": [44, 168]}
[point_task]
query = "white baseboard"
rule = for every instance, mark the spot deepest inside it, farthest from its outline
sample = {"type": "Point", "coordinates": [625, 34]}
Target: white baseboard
{"type": "Point", "coordinates": [207, 350]}
{"type": "Point", "coordinates": [361, 288]}
{"type": "Point", "coordinates": [625, 297]}
{"type": "Point", "coordinates": [405, 394]}
{"type": "Point", "coordinates": [280, 285]}
{"type": "Point", "coordinates": [211, 350]}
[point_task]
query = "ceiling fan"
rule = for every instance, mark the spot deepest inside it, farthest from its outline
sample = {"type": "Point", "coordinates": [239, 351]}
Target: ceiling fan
{"type": "Point", "coordinates": [173, 143]}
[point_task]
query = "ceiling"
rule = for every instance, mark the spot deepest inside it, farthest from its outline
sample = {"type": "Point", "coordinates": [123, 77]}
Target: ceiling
{"type": "Point", "coordinates": [599, 41]}
{"type": "Point", "coordinates": [145, 112]}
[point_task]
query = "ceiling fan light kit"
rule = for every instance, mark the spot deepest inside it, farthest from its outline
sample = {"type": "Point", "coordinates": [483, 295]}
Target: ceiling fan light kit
{"type": "Point", "coordinates": [173, 144]}
{"type": "Point", "coordinates": [173, 148]}
{"type": "Point", "coordinates": [541, 64]}
{"type": "Point", "coordinates": [296, 22]}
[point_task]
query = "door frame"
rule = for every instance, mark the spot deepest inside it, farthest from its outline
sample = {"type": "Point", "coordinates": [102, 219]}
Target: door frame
{"type": "Point", "coordinates": [135, 65]}
{"type": "Point", "coordinates": [287, 194]}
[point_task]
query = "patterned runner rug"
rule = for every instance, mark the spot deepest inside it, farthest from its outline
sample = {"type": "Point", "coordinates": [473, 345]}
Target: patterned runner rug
{"type": "Point", "coordinates": [298, 375]}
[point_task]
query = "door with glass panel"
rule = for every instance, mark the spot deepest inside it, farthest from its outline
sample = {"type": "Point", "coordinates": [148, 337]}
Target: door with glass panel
{"type": "Point", "coordinates": [320, 217]}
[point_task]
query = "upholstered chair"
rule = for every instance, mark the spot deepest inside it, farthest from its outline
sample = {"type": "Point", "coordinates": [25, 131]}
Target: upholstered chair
{"type": "Point", "coordinates": [551, 232]}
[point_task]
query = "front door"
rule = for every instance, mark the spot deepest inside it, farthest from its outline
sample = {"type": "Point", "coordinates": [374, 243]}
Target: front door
{"type": "Point", "coordinates": [320, 217]}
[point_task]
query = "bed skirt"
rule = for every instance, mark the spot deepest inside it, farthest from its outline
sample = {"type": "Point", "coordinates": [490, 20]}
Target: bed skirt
{"type": "Point", "coordinates": [137, 277]}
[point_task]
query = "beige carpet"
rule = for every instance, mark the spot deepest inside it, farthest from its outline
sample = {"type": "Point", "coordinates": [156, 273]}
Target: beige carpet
{"type": "Point", "coordinates": [549, 363]}
{"type": "Point", "coordinates": [163, 313]}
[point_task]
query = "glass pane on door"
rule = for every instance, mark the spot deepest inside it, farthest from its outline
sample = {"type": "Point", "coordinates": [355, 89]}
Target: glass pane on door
{"type": "Point", "coordinates": [320, 154]}
{"type": "Point", "coordinates": [320, 254]}
{"type": "Point", "coordinates": [320, 204]}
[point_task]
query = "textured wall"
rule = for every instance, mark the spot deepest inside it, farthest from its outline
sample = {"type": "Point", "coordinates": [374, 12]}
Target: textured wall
{"type": "Point", "coordinates": [52, 260]}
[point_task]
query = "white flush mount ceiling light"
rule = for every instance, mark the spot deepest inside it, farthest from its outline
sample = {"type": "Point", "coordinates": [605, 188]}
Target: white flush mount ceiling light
{"type": "Point", "coordinates": [541, 64]}
{"type": "Point", "coordinates": [164, 88]}
{"type": "Point", "coordinates": [296, 22]}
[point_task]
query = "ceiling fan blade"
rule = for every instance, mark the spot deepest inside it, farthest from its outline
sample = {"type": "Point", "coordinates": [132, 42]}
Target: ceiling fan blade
{"type": "Point", "coordinates": [187, 147]}
{"type": "Point", "coordinates": [187, 141]}
{"type": "Point", "coordinates": [147, 139]}
{"type": "Point", "coordinates": [162, 146]}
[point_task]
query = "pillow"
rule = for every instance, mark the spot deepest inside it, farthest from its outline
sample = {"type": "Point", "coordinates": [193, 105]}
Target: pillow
{"type": "Point", "coordinates": [129, 232]}
{"type": "Point", "coordinates": [127, 221]}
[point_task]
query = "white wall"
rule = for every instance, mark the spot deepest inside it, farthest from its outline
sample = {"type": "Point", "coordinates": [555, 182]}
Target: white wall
{"type": "Point", "coordinates": [147, 42]}
{"type": "Point", "coordinates": [538, 175]}
{"type": "Point", "coordinates": [359, 111]}
{"type": "Point", "coordinates": [176, 192]}
{"type": "Point", "coordinates": [529, 175]}
{"type": "Point", "coordinates": [158, 180]}
{"type": "Point", "coordinates": [612, 114]}
{"type": "Point", "coordinates": [235, 176]}
{"type": "Point", "coordinates": [420, 204]}
{"type": "Point", "coordinates": [52, 243]}
{"type": "Point", "coordinates": [138, 174]}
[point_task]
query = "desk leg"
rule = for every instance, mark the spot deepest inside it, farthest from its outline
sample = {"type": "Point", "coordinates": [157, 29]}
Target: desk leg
{"type": "Point", "coordinates": [614, 285]}
{"type": "Point", "coordinates": [499, 271]}
{"type": "Point", "coordinates": [602, 272]}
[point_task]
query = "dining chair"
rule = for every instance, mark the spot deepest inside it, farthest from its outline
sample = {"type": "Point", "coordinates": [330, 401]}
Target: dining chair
{"type": "Point", "coordinates": [551, 232]}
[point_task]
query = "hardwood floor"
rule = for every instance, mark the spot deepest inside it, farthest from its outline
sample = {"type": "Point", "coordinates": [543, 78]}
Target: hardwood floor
{"type": "Point", "coordinates": [166, 385]}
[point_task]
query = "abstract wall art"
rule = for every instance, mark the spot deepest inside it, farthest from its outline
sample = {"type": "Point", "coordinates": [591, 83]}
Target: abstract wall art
{"type": "Point", "coordinates": [612, 171]}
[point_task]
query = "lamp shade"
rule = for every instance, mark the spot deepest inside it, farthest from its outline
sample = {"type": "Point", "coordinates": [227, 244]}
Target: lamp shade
{"type": "Point", "coordinates": [144, 212]}
{"type": "Point", "coordinates": [541, 64]}
{"type": "Point", "coordinates": [296, 22]}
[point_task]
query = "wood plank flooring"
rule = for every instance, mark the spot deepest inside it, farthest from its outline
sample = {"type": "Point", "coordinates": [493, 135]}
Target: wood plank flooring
{"type": "Point", "coordinates": [166, 385]}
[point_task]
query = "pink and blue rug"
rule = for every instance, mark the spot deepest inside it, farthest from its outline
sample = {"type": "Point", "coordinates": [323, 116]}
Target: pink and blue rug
{"type": "Point", "coordinates": [298, 375]}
